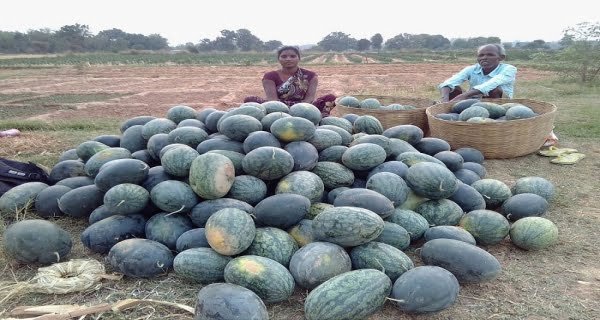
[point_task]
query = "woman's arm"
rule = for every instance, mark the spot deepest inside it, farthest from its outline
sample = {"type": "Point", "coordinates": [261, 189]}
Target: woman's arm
{"type": "Point", "coordinates": [270, 90]}
{"type": "Point", "coordinates": [312, 90]}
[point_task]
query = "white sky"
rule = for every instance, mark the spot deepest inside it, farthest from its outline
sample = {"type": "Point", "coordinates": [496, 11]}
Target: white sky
{"type": "Point", "coordinates": [305, 21]}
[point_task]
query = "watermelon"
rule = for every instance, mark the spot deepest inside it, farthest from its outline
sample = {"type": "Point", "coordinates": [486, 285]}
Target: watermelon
{"type": "Point", "coordinates": [139, 120]}
{"type": "Point", "coordinates": [351, 295]}
{"type": "Point", "coordinates": [20, 197]}
{"type": "Point", "coordinates": [229, 301]}
{"type": "Point", "coordinates": [126, 198]}
{"type": "Point", "coordinates": [174, 196]}
{"type": "Point", "coordinates": [66, 169]}
{"type": "Point", "coordinates": [524, 205]}
{"type": "Point", "coordinates": [281, 210]}
{"type": "Point", "coordinates": [211, 175]}
{"type": "Point", "coordinates": [304, 183]}
{"type": "Point", "coordinates": [290, 129]}
{"type": "Point", "coordinates": [449, 232]}
{"type": "Point", "coordinates": [441, 212]}
{"type": "Point", "coordinates": [364, 156]}
{"type": "Point", "coordinates": [140, 258]}
{"type": "Point", "coordinates": [273, 243]}
{"type": "Point", "coordinates": [179, 113]}
{"type": "Point", "coordinates": [425, 289]}
{"type": "Point", "coordinates": [468, 263]}
{"type": "Point", "coordinates": [36, 241]}
{"type": "Point", "coordinates": [367, 124]}
{"type": "Point", "coordinates": [271, 281]}
{"type": "Point", "coordinates": [487, 227]}
{"type": "Point", "coordinates": [249, 189]}
{"type": "Point", "coordinates": [302, 232]}
{"type": "Point", "coordinates": [538, 185]}
{"type": "Point", "coordinates": [200, 265]}
{"type": "Point", "coordinates": [381, 256]}
{"type": "Point", "coordinates": [104, 234]}
{"type": "Point", "coordinates": [46, 201]}
{"type": "Point", "coordinates": [230, 231]}
{"type": "Point", "coordinates": [193, 238]}
{"type": "Point", "coordinates": [494, 192]}
{"type": "Point", "coordinates": [431, 180]}
{"type": "Point", "coordinates": [347, 226]}
{"type": "Point", "coordinates": [166, 228]}
{"type": "Point", "coordinates": [394, 235]}
{"type": "Point", "coordinates": [533, 233]}
{"type": "Point", "coordinates": [268, 163]}
{"type": "Point", "coordinates": [203, 210]}
{"type": "Point", "coordinates": [305, 155]}
{"type": "Point", "coordinates": [414, 223]}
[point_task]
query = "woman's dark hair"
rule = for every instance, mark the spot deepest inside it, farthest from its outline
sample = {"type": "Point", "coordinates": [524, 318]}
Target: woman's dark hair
{"type": "Point", "coordinates": [282, 49]}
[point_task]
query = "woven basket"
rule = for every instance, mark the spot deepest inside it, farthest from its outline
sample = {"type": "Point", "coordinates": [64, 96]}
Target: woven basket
{"type": "Point", "coordinates": [496, 140]}
{"type": "Point", "coordinates": [390, 118]}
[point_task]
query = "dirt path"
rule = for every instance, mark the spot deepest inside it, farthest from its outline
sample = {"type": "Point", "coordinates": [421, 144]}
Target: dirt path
{"type": "Point", "coordinates": [340, 58]}
{"type": "Point", "coordinates": [318, 60]}
{"type": "Point", "coordinates": [365, 59]}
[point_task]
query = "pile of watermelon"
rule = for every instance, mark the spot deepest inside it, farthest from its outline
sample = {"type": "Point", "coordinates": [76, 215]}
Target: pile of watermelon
{"type": "Point", "coordinates": [257, 200]}
{"type": "Point", "coordinates": [475, 110]}
{"type": "Point", "coordinates": [372, 103]}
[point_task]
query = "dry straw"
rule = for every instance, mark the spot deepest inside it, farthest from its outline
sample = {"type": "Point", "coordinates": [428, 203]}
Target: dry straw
{"type": "Point", "coordinates": [390, 118]}
{"type": "Point", "coordinates": [60, 278]}
{"type": "Point", "coordinates": [496, 140]}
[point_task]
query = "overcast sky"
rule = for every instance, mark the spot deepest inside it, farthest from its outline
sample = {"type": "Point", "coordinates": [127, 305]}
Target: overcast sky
{"type": "Point", "coordinates": [305, 21]}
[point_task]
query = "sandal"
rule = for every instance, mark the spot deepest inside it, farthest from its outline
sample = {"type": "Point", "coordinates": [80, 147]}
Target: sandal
{"type": "Point", "coordinates": [568, 158]}
{"type": "Point", "coordinates": [555, 152]}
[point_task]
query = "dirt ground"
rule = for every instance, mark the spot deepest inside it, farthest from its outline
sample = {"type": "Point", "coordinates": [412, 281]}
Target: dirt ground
{"type": "Point", "coordinates": [562, 282]}
{"type": "Point", "coordinates": [151, 91]}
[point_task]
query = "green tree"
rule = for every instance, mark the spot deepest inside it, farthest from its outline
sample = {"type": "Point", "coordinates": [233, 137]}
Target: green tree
{"type": "Point", "coordinates": [376, 41]}
{"type": "Point", "coordinates": [337, 41]}
{"type": "Point", "coordinates": [246, 41]}
{"type": "Point", "coordinates": [582, 56]}
{"type": "Point", "coordinates": [74, 36]}
{"type": "Point", "coordinates": [535, 44]}
{"type": "Point", "coordinates": [272, 45]}
{"type": "Point", "coordinates": [363, 45]}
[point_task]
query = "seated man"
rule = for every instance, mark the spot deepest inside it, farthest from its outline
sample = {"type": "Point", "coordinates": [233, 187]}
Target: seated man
{"type": "Point", "coordinates": [489, 78]}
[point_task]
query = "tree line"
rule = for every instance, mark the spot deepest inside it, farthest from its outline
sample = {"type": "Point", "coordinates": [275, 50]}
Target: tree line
{"type": "Point", "coordinates": [78, 38]}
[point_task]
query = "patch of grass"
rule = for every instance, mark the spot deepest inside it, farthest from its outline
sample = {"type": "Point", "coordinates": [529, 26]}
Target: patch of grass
{"type": "Point", "coordinates": [57, 99]}
{"type": "Point", "coordinates": [83, 125]}
{"type": "Point", "coordinates": [15, 96]}
{"type": "Point", "coordinates": [32, 104]}
{"type": "Point", "coordinates": [24, 111]}
{"type": "Point", "coordinates": [578, 114]}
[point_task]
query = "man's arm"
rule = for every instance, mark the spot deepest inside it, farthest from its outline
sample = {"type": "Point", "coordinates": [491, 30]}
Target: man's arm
{"type": "Point", "coordinates": [456, 80]}
{"type": "Point", "coordinates": [506, 76]}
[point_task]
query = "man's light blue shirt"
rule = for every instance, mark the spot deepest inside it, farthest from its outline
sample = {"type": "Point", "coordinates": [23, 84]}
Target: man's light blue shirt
{"type": "Point", "coordinates": [503, 76]}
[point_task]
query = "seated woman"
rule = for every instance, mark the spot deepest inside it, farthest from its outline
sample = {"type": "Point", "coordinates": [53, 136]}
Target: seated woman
{"type": "Point", "coordinates": [292, 84]}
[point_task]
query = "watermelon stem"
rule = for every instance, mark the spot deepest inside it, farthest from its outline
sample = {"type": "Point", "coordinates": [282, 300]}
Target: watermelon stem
{"type": "Point", "coordinates": [176, 211]}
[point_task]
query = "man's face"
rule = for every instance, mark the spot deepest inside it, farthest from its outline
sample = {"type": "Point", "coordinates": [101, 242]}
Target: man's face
{"type": "Point", "coordinates": [488, 57]}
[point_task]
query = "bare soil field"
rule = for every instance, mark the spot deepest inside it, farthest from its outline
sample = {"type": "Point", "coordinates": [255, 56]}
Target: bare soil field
{"type": "Point", "coordinates": [562, 282]}
{"type": "Point", "coordinates": [152, 90]}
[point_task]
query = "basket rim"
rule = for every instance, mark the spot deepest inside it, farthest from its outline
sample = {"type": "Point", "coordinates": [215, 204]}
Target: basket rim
{"type": "Point", "coordinates": [431, 116]}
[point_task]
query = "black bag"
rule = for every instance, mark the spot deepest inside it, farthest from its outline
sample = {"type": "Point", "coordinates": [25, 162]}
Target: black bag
{"type": "Point", "coordinates": [14, 173]}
